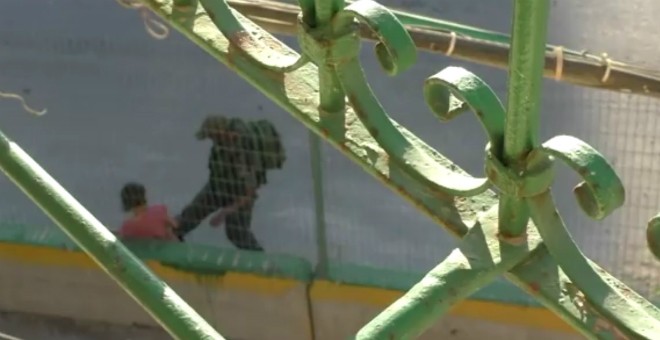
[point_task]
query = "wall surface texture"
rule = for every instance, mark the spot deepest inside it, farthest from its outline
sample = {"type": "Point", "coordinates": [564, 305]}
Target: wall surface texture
{"type": "Point", "coordinates": [245, 295]}
{"type": "Point", "coordinates": [123, 107]}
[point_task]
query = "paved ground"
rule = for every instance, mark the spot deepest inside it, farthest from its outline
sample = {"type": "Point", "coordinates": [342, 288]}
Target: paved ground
{"type": "Point", "coordinates": [16, 326]}
{"type": "Point", "coordinates": [123, 106]}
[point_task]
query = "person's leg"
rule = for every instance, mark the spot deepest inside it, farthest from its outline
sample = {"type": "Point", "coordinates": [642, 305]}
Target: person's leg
{"type": "Point", "coordinates": [237, 227]}
{"type": "Point", "coordinates": [204, 203]}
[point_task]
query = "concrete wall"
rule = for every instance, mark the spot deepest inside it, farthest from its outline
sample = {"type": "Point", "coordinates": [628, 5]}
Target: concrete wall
{"type": "Point", "coordinates": [245, 295]}
{"type": "Point", "coordinates": [340, 310]}
{"type": "Point", "coordinates": [67, 284]}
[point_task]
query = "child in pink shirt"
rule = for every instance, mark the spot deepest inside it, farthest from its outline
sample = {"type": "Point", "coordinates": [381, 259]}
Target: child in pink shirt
{"type": "Point", "coordinates": [145, 221]}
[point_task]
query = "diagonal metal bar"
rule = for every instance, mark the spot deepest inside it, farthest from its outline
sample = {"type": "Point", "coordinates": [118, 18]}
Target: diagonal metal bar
{"type": "Point", "coordinates": [627, 318]}
{"type": "Point", "coordinates": [479, 259]}
{"type": "Point", "coordinates": [297, 92]}
{"type": "Point", "coordinates": [479, 46]}
{"type": "Point", "coordinates": [154, 295]}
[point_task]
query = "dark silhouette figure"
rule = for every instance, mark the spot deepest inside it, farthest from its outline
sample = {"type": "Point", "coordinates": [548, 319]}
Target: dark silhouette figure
{"type": "Point", "coordinates": [237, 168]}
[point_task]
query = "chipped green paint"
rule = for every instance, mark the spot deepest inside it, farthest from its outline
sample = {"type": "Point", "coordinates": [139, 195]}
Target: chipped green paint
{"type": "Point", "coordinates": [526, 61]}
{"type": "Point", "coordinates": [479, 259]}
{"type": "Point", "coordinates": [325, 88]}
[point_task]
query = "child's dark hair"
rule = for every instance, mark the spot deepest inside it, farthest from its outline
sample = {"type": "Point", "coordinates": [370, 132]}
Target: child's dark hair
{"type": "Point", "coordinates": [133, 195]}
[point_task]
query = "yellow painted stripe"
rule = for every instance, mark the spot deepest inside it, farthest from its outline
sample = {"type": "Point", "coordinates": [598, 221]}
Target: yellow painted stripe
{"type": "Point", "coordinates": [320, 291]}
{"type": "Point", "coordinates": [231, 280]}
{"type": "Point", "coordinates": [484, 310]}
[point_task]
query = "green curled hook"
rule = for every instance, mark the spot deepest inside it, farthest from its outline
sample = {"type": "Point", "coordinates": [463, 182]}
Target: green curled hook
{"type": "Point", "coordinates": [601, 190]}
{"type": "Point", "coordinates": [338, 46]}
{"type": "Point", "coordinates": [653, 236]}
{"type": "Point", "coordinates": [395, 49]}
{"type": "Point", "coordinates": [454, 90]}
{"type": "Point", "coordinates": [250, 42]}
{"type": "Point", "coordinates": [599, 194]}
{"type": "Point", "coordinates": [412, 158]}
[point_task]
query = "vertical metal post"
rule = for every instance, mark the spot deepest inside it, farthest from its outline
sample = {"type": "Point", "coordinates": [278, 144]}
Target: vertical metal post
{"type": "Point", "coordinates": [332, 96]}
{"type": "Point", "coordinates": [319, 205]}
{"type": "Point", "coordinates": [155, 296]}
{"type": "Point", "coordinates": [332, 102]}
{"type": "Point", "coordinates": [526, 63]}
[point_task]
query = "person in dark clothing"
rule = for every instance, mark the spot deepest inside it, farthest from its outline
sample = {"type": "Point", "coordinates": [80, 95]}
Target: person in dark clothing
{"type": "Point", "coordinates": [232, 185]}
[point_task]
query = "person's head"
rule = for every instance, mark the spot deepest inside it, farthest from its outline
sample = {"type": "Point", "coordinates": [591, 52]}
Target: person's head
{"type": "Point", "coordinates": [217, 128]}
{"type": "Point", "coordinates": [133, 195]}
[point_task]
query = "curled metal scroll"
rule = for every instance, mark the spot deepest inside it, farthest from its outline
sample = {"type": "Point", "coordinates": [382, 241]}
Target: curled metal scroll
{"type": "Point", "coordinates": [395, 49]}
{"type": "Point", "coordinates": [396, 52]}
{"type": "Point", "coordinates": [249, 42]}
{"type": "Point", "coordinates": [599, 194]}
{"type": "Point", "coordinates": [334, 46]}
{"type": "Point", "coordinates": [338, 45]}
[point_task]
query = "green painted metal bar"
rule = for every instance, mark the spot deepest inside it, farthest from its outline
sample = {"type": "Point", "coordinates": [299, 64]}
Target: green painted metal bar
{"type": "Point", "coordinates": [332, 103]}
{"type": "Point", "coordinates": [479, 259]}
{"type": "Point", "coordinates": [316, 164]}
{"type": "Point", "coordinates": [627, 318]}
{"type": "Point", "coordinates": [578, 67]}
{"type": "Point", "coordinates": [420, 174]}
{"type": "Point", "coordinates": [154, 295]}
{"type": "Point", "coordinates": [411, 19]}
{"type": "Point", "coordinates": [326, 9]}
{"type": "Point", "coordinates": [526, 62]}
{"type": "Point", "coordinates": [293, 92]}
{"type": "Point", "coordinates": [430, 23]}
{"type": "Point", "coordinates": [416, 20]}
{"type": "Point", "coordinates": [530, 23]}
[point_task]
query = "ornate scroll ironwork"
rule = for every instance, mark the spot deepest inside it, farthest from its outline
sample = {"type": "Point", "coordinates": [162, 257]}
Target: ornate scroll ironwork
{"type": "Point", "coordinates": [326, 89]}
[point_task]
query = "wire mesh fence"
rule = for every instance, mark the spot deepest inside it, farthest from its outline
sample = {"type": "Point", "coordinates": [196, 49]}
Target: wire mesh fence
{"type": "Point", "coordinates": [241, 154]}
{"type": "Point", "coordinates": [624, 127]}
{"type": "Point", "coordinates": [125, 108]}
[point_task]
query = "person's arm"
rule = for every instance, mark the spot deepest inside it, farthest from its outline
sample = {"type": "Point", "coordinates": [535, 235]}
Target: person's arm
{"type": "Point", "coordinates": [242, 201]}
{"type": "Point", "coordinates": [219, 217]}
{"type": "Point", "coordinates": [171, 223]}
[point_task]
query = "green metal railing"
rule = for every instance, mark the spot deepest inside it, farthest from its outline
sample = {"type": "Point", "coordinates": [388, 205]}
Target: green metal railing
{"type": "Point", "coordinates": [522, 237]}
{"type": "Point", "coordinates": [156, 297]}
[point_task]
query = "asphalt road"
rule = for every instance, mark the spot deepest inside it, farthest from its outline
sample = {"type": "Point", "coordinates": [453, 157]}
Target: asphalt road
{"type": "Point", "coordinates": [123, 106]}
